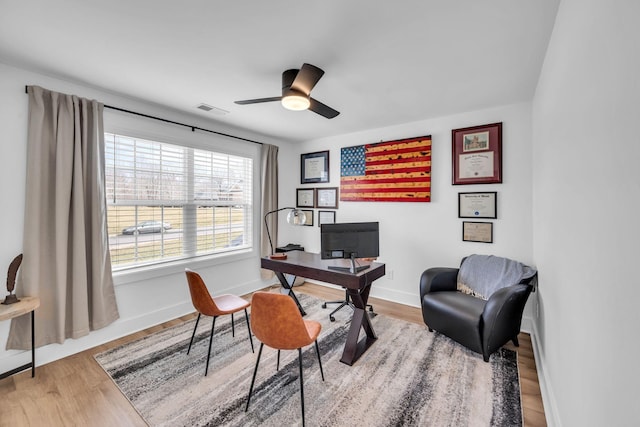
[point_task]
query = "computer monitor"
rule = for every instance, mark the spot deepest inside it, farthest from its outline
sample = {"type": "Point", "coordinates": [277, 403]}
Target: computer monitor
{"type": "Point", "coordinates": [349, 241]}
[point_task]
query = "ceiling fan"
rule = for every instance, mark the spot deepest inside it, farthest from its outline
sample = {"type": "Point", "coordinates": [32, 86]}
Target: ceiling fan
{"type": "Point", "coordinates": [296, 92]}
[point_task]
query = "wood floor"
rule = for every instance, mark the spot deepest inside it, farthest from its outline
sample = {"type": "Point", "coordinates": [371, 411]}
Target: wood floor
{"type": "Point", "coordinates": [75, 391]}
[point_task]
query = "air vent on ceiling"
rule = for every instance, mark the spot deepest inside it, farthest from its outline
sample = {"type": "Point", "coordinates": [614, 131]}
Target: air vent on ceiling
{"type": "Point", "coordinates": [212, 109]}
{"type": "Point", "coordinates": [205, 107]}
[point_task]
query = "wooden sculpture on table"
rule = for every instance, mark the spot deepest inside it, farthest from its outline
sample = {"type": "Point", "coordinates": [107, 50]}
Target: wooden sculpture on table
{"type": "Point", "coordinates": [11, 280]}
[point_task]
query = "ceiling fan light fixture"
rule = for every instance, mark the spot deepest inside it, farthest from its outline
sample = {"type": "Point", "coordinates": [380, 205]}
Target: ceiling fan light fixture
{"type": "Point", "coordinates": [295, 101]}
{"type": "Point", "coordinates": [296, 92]}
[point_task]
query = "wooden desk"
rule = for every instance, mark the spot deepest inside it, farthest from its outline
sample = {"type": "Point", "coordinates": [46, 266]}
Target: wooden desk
{"type": "Point", "coordinates": [358, 285]}
{"type": "Point", "coordinates": [24, 306]}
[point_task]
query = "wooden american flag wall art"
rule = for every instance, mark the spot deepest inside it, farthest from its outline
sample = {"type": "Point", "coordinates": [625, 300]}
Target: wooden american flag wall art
{"type": "Point", "coordinates": [392, 171]}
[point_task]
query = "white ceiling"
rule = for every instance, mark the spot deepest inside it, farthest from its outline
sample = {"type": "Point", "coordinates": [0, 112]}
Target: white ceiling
{"type": "Point", "coordinates": [385, 62]}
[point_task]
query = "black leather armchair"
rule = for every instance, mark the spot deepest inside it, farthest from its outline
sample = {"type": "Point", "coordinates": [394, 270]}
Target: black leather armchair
{"type": "Point", "coordinates": [480, 325]}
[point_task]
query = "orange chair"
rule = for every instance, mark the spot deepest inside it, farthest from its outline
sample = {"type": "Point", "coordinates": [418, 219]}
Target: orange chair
{"type": "Point", "coordinates": [277, 322]}
{"type": "Point", "coordinates": [205, 304]}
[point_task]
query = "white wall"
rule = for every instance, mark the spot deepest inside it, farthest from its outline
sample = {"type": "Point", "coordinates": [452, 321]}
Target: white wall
{"type": "Point", "coordinates": [416, 236]}
{"type": "Point", "coordinates": [586, 202]}
{"type": "Point", "coordinates": [146, 298]}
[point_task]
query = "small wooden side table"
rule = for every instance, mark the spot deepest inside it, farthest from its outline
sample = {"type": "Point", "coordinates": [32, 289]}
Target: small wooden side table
{"type": "Point", "coordinates": [24, 306]}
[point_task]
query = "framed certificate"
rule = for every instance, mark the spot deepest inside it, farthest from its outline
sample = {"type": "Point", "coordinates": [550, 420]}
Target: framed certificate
{"type": "Point", "coordinates": [477, 232]}
{"type": "Point", "coordinates": [308, 216]}
{"type": "Point", "coordinates": [326, 217]}
{"type": "Point", "coordinates": [314, 167]}
{"type": "Point", "coordinates": [327, 197]}
{"type": "Point", "coordinates": [477, 154]}
{"type": "Point", "coordinates": [478, 205]}
{"type": "Point", "coordinates": [305, 197]}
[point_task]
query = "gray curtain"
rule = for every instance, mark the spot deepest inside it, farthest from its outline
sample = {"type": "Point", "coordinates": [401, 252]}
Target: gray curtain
{"type": "Point", "coordinates": [269, 202]}
{"type": "Point", "coordinates": [66, 248]}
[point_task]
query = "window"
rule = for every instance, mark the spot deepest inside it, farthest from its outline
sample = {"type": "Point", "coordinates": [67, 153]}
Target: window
{"type": "Point", "coordinates": [167, 202]}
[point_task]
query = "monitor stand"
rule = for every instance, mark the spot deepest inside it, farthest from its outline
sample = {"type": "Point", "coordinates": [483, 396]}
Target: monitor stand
{"type": "Point", "coordinates": [353, 269]}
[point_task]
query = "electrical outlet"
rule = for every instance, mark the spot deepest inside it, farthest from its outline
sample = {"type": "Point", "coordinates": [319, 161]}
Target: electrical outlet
{"type": "Point", "coordinates": [389, 274]}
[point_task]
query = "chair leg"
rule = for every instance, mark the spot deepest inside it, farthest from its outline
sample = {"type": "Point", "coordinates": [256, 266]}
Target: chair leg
{"type": "Point", "coordinates": [324, 304]}
{"type": "Point", "coordinates": [319, 361]}
{"type": "Point", "coordinates": [278, 361]}
{"type": "Point", "coordinates": [233, 329]}
{"type": "Point", "coordinates": [246, 316]}
{"type": "Point", "coordinates": [342, 303]}
{"type": "Point", "coordinates": [206, 370]}
{"type": "Point", "coordinates": [515, 341]}
{"type": "Point", "coordinates": [333, 319]}
{"type": "Point", "coordinates": [194, 333]}
{"type": "Point", "coordinates": [301, 384]}
{"type": "Point", "coordinates": [346, 301]}
{"type": "Point", "coordinates": [253, 380]}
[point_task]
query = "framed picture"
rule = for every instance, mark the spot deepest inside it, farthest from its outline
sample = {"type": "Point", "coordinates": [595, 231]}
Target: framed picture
{"type": "Point", "coordinates": [326, 217]}
{"type": "Point", "coordinates": [305, 197]}
{"type": "Point", "coordinates": [477, 232]}
{"type": "Point", "coordinates": [478, 205]}
{"type": "Point", "coordinates": [327, 197]}
{"type": "Point", "coordinates": [314, 167]}
{"type": "Point", "coordinates": [308, 216]}
{"type": "Point", "coordinates": [477, 154]}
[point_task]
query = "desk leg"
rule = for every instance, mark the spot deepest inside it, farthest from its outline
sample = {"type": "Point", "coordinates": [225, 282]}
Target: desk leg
{"type": "Point", "coordinates": [289, 286]}
{"type": "Point", "coordinates": [352, 348]}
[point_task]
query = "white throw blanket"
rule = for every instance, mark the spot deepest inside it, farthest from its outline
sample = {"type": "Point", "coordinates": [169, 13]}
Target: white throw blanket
{"type": "Point", "coordinates": [482, 275]}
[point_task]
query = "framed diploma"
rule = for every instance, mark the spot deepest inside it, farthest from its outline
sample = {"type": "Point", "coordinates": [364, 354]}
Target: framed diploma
{"type": "Point", "coordinates": [308, 216]}
{"type": "Point", "coordinates": [314, 167]}
{"type": "Point", "coordinates": [326, 217]}
{"type": "Point", "coordinates": [477, 232]}
{"type": "Point", "coordinates": [327, 197]}
{"type": "Point", "coordinates": [478, 205]}
{"type": "Point", "coordinates": [477, 154]}
{"type": "Point", "coordinates": [305, 197]}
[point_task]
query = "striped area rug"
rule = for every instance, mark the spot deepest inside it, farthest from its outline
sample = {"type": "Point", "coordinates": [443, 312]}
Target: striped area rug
{"type": "Point", "coordinates": [409, 377]}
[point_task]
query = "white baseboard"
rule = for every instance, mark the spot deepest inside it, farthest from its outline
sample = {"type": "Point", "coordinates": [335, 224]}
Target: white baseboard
{"type": "Point", "coordinates": [548, 398]}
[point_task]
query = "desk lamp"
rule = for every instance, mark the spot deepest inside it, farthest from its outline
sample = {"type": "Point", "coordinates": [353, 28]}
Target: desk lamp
{"type": "Point", "coordinates": [295, 217]}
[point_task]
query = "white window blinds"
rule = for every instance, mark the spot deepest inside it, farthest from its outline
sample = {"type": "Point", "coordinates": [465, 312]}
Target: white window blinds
{"type": "Point", "coordinates": [166, 202]}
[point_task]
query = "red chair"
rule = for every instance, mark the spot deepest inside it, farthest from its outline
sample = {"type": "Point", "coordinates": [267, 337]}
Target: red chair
{"type": "Point", "coordinates": [218, 306]}
{"type": "Point", "coordinates": [277, 322]}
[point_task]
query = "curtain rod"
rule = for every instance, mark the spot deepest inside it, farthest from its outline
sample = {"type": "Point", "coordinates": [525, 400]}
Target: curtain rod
{"type": "Point", "coordinates": [193, 128]}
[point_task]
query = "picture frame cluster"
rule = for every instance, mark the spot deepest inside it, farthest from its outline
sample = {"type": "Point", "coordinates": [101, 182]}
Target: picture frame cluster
{"type": "Point", "coordinates": [320, 198]}
{"type": "Point", "coordinates": [477, 159]}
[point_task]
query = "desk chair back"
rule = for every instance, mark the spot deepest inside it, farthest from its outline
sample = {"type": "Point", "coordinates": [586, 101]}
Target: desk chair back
{"type": "Point", "coordinates": [200, 296]}
{"type": "Point", "coordinates": [214, 307]}
{"type": "Point", "coordinates": [276, 321]}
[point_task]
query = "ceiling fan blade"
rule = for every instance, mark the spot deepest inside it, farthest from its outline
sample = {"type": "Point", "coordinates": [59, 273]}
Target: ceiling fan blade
{"type": "Point", "coordinates": [259, 100]}
{"type": "Point", "coordinates": [322, 109]}
{"type": "Point", "coordinates": [307, 78]}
